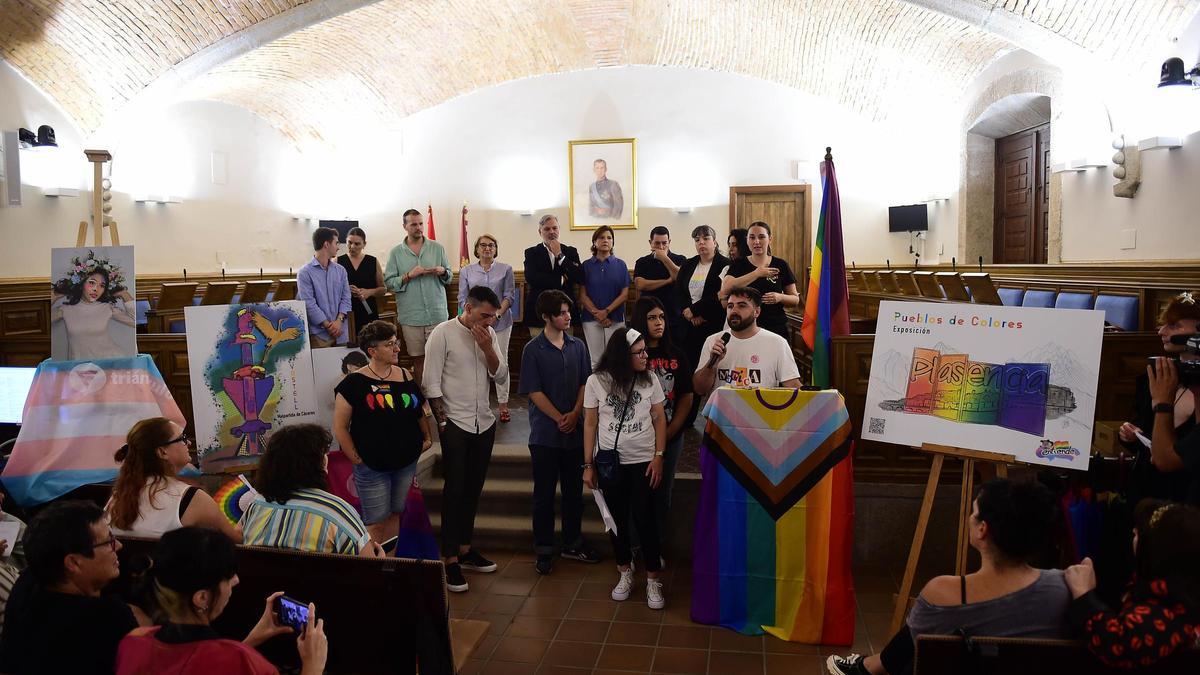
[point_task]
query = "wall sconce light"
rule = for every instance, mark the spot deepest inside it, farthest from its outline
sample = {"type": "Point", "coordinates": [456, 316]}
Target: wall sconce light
{"type": "Point", "coordinates": [681, 210]}
{"type": "Point", "coordinates": [157, 199]}
{"type": "Point", "coordinates": [1172, 74]}
{"type": "Point", "coordinates": [1087, 163]}
{"type": "Point", "coordinates": [43, 139]}
{"type": "Point", "coordinates": [525, 212]}
{"type": "Point", "coordinates": [302, 217]}
{"type": "Point", "coordinates": [60, 192]}
{"type": "Point", "coordinates": [1065, 167]}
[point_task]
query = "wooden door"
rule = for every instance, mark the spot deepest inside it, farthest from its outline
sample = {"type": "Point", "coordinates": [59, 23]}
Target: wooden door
{"type": "Point", "coordinates": [1022, 202]}
{"type": "Point", "coordinates": [786, 209]}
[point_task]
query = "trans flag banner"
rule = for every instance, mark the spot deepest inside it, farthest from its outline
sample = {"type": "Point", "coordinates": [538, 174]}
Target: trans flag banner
{"type": "Point", "coordinates": [76, 416]}
{"type": "Point", "coordinates": [772, 544]}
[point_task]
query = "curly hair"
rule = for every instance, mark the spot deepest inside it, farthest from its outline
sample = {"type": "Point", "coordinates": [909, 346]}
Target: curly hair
{"type": "Point", "coordinates": [139, 463]}
{"type": "Point", "coordinates": [294, 460]}
{"type": "Point", "coordinates": [74, 291]}
{"type": "Point", "coordinates": [1168, 546]}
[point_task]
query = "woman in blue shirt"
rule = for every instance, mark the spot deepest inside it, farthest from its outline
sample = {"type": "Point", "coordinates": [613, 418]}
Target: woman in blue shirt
{"type": "Point", "coordinates": [499, 277]}
{"type": "Point", "coordinates": [604, 292]}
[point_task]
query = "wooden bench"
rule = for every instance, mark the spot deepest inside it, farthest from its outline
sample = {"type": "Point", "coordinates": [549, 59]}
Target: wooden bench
{"type": "Point", "coordinates": [172, 298]}
{"type": "Point", "coordinates": [256, 291]}
{"type": "Point", "coordinates": [286, 290]}
{"type": "Point", "coordinates": [219, 293]}
{"type": "Point", "coordinates": [951, 655]}
{"type": "Point", "coordinates": [382, 615]}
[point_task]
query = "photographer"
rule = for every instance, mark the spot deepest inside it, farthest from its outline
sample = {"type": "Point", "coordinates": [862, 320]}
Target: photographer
{"type": "Point", "coordinates": [1149, 479]}
{"type": "Point", "coordinates": [1168, 452]}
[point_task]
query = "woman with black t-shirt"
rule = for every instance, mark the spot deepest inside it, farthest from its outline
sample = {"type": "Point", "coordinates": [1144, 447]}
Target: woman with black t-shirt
{"type": "Point", "coordinates": [770, 276]}
{"type": "Point", "coordinates": [379, 419]}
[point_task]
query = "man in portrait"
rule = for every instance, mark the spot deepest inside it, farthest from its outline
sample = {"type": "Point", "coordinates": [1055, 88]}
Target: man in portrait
{"type": "Point", "coordinates": [604, 196]}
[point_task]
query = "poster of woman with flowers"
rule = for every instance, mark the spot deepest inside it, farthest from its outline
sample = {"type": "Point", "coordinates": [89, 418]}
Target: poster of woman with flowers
{"type": "Point", "coordinates": [92, 303]}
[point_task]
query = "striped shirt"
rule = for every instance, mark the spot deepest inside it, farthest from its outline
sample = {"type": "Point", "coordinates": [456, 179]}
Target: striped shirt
{"type": "Point", "coordinates": [312, 520]}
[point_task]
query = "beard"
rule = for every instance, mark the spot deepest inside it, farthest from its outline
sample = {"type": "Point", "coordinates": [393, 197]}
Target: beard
{"type": "Point", "coordinates": [737, 322]}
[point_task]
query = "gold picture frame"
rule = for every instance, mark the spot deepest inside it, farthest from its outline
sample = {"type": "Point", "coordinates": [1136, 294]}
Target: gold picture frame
{"type": "Point", "coordinates": [603, 199]}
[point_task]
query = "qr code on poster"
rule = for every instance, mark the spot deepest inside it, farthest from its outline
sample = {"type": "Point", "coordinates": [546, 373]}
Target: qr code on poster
{"type": "Point", "coordinates": [877, 425]}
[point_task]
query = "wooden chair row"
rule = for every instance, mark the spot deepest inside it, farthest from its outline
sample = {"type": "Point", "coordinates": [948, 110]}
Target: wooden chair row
{"type": "Point", "coordinates": [165, 311]}
{"type": "Point", "coordinates": [954, 286]}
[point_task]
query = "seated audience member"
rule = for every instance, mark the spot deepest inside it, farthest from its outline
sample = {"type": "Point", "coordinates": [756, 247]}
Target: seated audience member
{"type": "Point", "coordinates": [56, 620]}
{"type": "Point", "coordinates": [147, 498]}
{"type": "Point", "coordinates": [1169, 452]}
{"type": "Point", "coordinates": [1180, 317]}
{"type": "Point", "coordinates": [1161, 611]}
{"type": "Point", "coordinates": [12, 563]}
{"type": "Point", "coordinates": [191, 577]}
{"type": "Point", "coordinates": [296, 511]}
{"type": "Point", "coordinates": [753, 357]}
{"type": "Point", "coordinates": [1010, 524]}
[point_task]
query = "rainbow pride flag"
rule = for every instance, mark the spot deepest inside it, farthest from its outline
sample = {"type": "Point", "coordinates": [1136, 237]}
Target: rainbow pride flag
{"type": "Point", "coordinates": [827, 306]}
{"type": "Point", "coordinates": [76, 416]}
{"type": "Point", "coordinates": [772, 545]}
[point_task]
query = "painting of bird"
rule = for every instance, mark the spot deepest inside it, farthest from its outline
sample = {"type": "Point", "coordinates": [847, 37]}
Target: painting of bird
{"type": "Point", "coordinates": [274, 334]}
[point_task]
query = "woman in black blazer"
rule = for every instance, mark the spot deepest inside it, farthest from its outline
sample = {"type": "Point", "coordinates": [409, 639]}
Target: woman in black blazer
{"type": "Point", "coordinates": [697, 285]}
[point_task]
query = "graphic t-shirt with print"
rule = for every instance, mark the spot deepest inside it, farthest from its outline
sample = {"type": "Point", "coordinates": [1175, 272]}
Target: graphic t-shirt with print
{"type": "Point", "coordinates": [637, 432]}
{"type": "Point", "coordinates": [670, 365]}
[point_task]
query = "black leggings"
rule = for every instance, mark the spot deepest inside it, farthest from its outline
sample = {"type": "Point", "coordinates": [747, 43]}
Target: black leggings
{"type": "Point", "coordinates": [633, 498]}
{"type": "Point", "coordinates": [897, 657]}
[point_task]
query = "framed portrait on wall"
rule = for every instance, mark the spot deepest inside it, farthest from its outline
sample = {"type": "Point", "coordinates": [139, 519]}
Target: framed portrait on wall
{"type": "Point", "coordinates": [603, 176]}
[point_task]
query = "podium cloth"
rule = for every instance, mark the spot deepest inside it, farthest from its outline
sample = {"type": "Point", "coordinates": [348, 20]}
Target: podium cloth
{"type": "Point", "coordinates": [772, 545]}
{"type": "Point", "coordinates": [76, 415]}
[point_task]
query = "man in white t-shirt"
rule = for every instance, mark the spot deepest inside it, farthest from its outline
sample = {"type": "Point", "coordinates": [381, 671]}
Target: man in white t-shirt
{"type": "Point", "coordinates": [753, 357]}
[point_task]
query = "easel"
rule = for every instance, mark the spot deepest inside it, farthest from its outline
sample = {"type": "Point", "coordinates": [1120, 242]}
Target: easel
{"type": "Point", "coordinates": [98, 158]}
{"type": "Point", "coordinates": [969, 458]}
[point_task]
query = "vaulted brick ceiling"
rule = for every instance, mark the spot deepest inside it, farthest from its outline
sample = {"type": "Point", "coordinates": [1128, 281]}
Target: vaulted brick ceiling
{"type": "Point", "coordinates": [309, 66]}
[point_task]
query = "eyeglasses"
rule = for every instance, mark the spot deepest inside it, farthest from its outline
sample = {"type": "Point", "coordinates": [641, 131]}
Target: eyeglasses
{"type": "Point", "coordinates": [390, 344]}
{"type": "Point", "coordinates": [182, 438]}
{"type": "Point", "coordinates": [111, 542]}
{"type": "Point", "coordinates": [640, 352]}
{"type": "Point", "coordinates": [484, 244]}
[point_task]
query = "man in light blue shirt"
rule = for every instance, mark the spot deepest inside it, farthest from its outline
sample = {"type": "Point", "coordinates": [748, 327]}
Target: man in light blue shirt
{"type": "Point", "coordinates": [418, 272]}
{"type": "Point", "coordinates": [325, 289]}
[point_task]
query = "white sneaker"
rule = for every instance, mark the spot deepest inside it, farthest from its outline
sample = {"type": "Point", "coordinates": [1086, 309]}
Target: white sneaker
{"type": "Point", "coordinates": [654, 596]}
{"type": "Point", "coordinates": [624, 586]}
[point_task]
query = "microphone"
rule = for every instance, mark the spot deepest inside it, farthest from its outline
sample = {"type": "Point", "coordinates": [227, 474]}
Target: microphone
{"type": "Point", "coordinates": [1192, 342]}
{"type": "Point", "coordinates": [712, 358]}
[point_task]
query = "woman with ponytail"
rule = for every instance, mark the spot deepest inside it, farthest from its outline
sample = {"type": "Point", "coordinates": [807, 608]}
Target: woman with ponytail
{"type": "Point", "coordinates": [191, 578]}
{"type": "Point", "coordinates": [147, 498]}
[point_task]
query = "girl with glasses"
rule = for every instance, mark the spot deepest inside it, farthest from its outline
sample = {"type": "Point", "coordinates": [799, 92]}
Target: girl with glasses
{"type": "Point", "coordinates": [623, 397]}
{"type": "Point", "coordinates": [148, 499]}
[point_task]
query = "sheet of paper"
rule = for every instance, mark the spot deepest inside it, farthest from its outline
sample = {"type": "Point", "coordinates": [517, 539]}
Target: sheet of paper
{"type": "Point", "coordinates": [9, 531]}
{"type": "Point", "coordinates": [1145, 441]}
{"type": "Point", "coordinates": [610, 525]}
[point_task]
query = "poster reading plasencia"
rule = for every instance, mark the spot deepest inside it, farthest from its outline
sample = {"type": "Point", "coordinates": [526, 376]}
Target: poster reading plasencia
{"type": "Point", "coordinates": [1018, 381]}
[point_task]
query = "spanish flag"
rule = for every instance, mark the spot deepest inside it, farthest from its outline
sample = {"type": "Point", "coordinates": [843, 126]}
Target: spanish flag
{"type": "Point", "coordinates": [827, 308]}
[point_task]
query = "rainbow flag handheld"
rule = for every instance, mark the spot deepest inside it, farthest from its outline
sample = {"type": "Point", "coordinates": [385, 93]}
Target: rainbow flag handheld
{"type": "Point", "coordinates": [827, 306]}
{"type": "Point", "coordinates": [234, 498]}
{"type": "Point", "coordinates": [773, 528]}
{"type": "Point", "coordinates": [76, 415]}
{"type": "Point", "coordinates": [416, 532]}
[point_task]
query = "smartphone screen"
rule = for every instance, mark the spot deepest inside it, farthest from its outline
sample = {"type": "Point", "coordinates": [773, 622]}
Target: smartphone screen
{"type": "Point", "coordinates": [292, 612]}
{"type": "Point", "coordinates": [389, 546]}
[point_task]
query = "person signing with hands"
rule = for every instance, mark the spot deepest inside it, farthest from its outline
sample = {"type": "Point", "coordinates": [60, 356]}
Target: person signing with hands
{"type": "Point", "coordinates": [771, 276]}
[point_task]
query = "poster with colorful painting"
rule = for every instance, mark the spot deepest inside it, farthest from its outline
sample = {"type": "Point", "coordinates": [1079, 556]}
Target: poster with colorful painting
{"type": "Point", "coordinates": [330, 365]}
{"type": "Point", "coordinates": [92, 308]}
{"type": "Point", "coordinates": [1018, 381]}
{"type": "Point", "coordinates": [251, 372]}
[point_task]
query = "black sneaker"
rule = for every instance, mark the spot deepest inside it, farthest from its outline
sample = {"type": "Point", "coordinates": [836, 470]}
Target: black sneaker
{"type": "Point", "coordinates": [582, 553]}
{"type": "Point", "coordinates": [846, 665]}
{"type": "Point", "coordinates": [455, 581]}
{"type": "Point", "coordinates": [544, 564]}
{"type": "Point", "coordinates": [471, 560]}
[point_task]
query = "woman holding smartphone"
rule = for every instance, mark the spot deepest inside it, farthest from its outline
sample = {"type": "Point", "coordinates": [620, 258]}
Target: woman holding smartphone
{"type": "Point", "coordinates": [191, 579]}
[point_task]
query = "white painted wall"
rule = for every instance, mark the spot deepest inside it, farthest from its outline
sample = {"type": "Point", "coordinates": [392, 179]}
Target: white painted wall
{"type": "Point", "coordinates": [501, 149]}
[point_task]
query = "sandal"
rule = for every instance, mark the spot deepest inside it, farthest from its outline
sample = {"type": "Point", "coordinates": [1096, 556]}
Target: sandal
{"type": "Point", "coordinates": [505, 417]}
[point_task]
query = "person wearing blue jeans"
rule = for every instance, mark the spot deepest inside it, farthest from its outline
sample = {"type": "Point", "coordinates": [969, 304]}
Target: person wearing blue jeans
{"type": "Point", "coordinates": [554, 368]}
{"type": "Point", "coordinates": [379, 419]}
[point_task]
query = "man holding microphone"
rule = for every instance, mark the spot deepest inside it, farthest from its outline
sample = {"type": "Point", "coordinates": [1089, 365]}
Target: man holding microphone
{"type": "Point", "coordinates": [746, 356]}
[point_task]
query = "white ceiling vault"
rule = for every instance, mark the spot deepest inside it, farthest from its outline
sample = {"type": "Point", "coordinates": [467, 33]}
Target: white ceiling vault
{"type": "Point", "coordinates": [312, 65]}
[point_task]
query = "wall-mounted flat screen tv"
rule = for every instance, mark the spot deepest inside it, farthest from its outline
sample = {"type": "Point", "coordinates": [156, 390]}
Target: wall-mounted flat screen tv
{"type": "Point", "coordinates": [343, 227]}
{"type": "Point", "coordinates": [911, 218]}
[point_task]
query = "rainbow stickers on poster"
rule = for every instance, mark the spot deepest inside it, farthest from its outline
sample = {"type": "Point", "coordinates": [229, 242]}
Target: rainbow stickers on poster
{"type": "Point", "coordinates": [1014, 380]}
{"type": "Point", "coordinates": [251, 373]}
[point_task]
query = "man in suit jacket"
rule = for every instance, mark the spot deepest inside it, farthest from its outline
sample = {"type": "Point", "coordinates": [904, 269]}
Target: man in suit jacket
{"type": "Point", "coordinates": [550, 265]}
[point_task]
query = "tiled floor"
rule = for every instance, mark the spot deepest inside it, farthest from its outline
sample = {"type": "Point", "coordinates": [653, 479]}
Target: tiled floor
{"type": "Point", "coordinates": [567, 623]}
